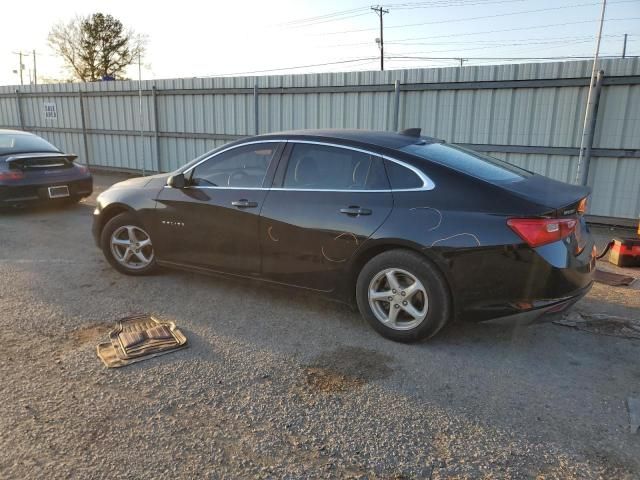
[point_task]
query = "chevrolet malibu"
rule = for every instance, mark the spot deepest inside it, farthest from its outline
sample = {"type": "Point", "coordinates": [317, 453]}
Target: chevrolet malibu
{"type": "Point", "coordinates": [34, 171]}
{"type": "Point", "coordinates": [414, 231]}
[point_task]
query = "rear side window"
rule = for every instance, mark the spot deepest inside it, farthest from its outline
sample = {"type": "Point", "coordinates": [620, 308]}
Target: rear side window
{"type": "Point", "coordinates": [469, 162]}
{"type": "Point", "coordinates": [321, 167]}
{"type": "Point", "coordinates": [402, 178]}
{"type": "Point", "coordinates": [23, 143]}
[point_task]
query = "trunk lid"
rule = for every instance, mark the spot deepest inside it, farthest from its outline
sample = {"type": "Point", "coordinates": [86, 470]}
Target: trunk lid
{"type": "Point", "coordinates": [562, 198]}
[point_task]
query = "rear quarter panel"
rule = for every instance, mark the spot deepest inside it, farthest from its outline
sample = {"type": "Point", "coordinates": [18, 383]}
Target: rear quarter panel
{"type": "Point", "coordinates": [460, 225]}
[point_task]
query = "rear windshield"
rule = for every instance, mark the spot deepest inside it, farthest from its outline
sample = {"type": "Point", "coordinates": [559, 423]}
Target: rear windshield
{"type": "Point", "coordinates": [22, 143]}
{"type": "Point", "coordinates": [467, 161]}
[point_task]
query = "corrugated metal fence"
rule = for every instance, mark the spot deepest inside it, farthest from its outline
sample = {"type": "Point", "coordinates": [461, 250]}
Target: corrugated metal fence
{"type": "Point", "coordinates": [528, 114]}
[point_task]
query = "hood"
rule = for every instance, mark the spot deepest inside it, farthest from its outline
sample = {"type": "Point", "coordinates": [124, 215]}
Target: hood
{"type": "Point", "coordinates": [159, 180]}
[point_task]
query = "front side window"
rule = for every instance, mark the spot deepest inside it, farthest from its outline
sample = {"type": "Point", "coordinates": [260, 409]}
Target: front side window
{"type": "Point", "coordinates": [241, 167]}
{"type": "Point", "coordinates": [322, 167]}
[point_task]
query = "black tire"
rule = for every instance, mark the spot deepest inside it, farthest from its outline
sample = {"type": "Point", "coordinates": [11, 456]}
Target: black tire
{"type": "Point", "coordinates": [121, 220]}
{"type": "Point", "coordinates": [437, 291]}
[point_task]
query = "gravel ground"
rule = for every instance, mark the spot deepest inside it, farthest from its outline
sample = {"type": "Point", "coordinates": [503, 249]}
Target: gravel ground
{"type": "Point", "coordinates": [278, 384]}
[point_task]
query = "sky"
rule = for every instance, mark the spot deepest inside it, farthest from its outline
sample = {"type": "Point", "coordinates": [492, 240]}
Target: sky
{"type": "Point", "coordinates": [191, 38]}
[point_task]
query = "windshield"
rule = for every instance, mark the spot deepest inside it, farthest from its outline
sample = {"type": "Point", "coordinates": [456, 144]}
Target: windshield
{"type": "Point", "coordinates": [23, 143]}
{"type": "Point", "coordinates": [467, 161]}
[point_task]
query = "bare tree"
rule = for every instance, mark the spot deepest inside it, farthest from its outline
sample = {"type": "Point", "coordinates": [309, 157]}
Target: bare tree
{"type": "Point", "coordinates": [96, 47]}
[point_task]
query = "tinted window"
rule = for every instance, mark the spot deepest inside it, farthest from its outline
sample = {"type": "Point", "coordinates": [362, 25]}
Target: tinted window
{"type": "Point", "coordinates": [333, 168]}
{"type": "Point", "coordinates": [468, 161]}
{"type": "Point", "coordinates": [402, 177]}
{"type": "Point", "coordinates": [22, 143]}
{"type": "Point", "coordinates": [242, 167]}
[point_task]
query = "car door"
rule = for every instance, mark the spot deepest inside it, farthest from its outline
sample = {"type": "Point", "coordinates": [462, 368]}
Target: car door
{"type": "Point", "coordinates": [213, 221]}
{"type": "Point", "coordinates": [325, 202]}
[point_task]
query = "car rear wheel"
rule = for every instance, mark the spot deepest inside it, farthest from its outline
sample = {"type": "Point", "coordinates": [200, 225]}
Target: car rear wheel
{"type": "Point", "coordinates": [127, 246]}
{"type": "Point", "coordinates": [403, 296]}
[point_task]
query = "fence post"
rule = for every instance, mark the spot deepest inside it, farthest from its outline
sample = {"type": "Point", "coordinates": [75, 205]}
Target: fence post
{"type": "Point", "coordinates": [255, 107]}
{"type": "Point", "coordinates": [156, 137]}
{"type": "Point", "coordinates": [586, 160]}
{"type": "Point", "coordinates": [396, 106]}
{"type": "Point", "coordinates": [20, 117]}
{"type": "Point", "coordinates": [83, 124]}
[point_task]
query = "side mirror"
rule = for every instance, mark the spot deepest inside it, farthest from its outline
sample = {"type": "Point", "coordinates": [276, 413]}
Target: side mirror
{"type": "Point", "coordinates": [177, 181]}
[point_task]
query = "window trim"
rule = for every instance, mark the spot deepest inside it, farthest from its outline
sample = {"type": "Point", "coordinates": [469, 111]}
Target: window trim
{"type": "Point", "coordinates": [427, 183]}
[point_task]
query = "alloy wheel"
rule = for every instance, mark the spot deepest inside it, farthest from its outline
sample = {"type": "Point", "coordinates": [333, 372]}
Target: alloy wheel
{"type": "Point", "coordinates": [131, 247]}
{"type": "Point", "coordinates": [398, 299]}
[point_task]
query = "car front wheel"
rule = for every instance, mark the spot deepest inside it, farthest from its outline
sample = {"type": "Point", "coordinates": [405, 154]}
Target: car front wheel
{"type": "Point", "coordinates": [403, 296]}
{"type": "Point", "coordinates": [127, 246]}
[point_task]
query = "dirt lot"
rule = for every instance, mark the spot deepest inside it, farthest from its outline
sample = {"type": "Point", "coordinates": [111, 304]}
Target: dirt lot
{"type": "Point", "coordinates": [277, 384]}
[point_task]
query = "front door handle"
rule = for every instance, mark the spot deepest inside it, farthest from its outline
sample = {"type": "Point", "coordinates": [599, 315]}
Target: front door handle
{"type": "Point", "coordinates": [355, 211]}
{"type": "Point", "coordinates": [244, 203]}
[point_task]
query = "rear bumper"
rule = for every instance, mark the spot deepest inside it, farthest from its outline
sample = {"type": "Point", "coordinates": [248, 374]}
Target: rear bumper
{"type": "Point", "coordinates": [520, 283]}
{"type": "Point", "coordinates": [545, 310]}
{"type": "Point", "coordinates": [31, 193]}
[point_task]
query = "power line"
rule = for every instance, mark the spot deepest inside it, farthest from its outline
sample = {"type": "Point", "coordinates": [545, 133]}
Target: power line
{"type": "Point", "coordinates": [485, 47]}
{"type": "Point", "coordinates": [367, 60]}
{"type": "Point", "coordinates": [477, 18]}
{"type": "Point", "coordinates": [310, 24]}
{"type": "Point", "coordinates": [566, 57]}
{"type": "Point", "coordinates": [461, 3]}
{"type": "Point", "coordinates": [474, 42]}
{"type": "Point", "coordinates": [292, 68]}
{"type": "Point", "coordinates": [534, 27]}
{"type": "Point", "coordinates": [320, 17]}
{"type": "Point", "coordinates": [529, 41]}
{"type": "Point", "coordinates": [402, 6]}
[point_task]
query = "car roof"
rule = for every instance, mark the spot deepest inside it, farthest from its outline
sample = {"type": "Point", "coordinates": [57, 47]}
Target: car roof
{"type": "Point", "coordinates": [391, 140]}
{"type": "Point", "coordinates": [6, 131]}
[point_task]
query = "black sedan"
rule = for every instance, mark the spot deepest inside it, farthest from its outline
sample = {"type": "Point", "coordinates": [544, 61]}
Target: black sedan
{"type": "Point", "coordinates": [412, 230]}
{"type": "Point", "coordinates": [32, 170]}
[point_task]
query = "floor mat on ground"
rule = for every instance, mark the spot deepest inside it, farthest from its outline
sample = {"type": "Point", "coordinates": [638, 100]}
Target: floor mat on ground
{"type": "Point", "coordinates": [613, 279]}
{"type": "Point", "coordinates": [601, 324]}
{"type": "Point", "coordinates": [138, 338]}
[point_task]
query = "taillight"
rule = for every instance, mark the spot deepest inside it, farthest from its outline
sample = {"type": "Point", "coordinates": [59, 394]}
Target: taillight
{"type": "Point", "coordinates": [582, 206]}
{"type": "Point", "coordinates": [11, 175]}
{"type": "Point", "coordinates": [540, 231]}
{"type": "Point", "coordinates": [82, 168]}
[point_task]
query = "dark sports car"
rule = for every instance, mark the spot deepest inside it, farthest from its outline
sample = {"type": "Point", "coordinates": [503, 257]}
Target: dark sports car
{"type": "Point", "coordinates": [412, 230]}
{"type": "Point", "coordinates": [33, 170]}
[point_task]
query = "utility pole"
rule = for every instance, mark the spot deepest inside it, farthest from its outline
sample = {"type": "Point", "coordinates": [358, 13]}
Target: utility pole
{"type": "Point", "coordinates": [35, 71]}
{"type": "Point", "coordinates": [624, 46]}
{"type": "Point", "coordinates": [380, 12]}
{"type": "Point", "coordinates": [20, 66]}
{"type": "Point", "coordinates": [582, 171]}
{"type": "Point", "coordinates": [140, 110]}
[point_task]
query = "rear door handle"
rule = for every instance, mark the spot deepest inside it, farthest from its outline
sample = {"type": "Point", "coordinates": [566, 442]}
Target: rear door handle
{"type": "Point", "coordinates": [244, 204]}
{"type": "Point", "coordinates": [355, 211]}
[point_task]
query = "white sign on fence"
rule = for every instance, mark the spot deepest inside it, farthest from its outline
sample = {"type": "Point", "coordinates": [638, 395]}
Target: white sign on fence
{"type": "Point", "coordinates": [50, 111]}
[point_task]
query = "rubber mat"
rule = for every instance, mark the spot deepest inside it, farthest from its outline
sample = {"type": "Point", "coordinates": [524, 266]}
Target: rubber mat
{"type": "Point", "coordinates": [613, 279]}
{"type": "Point", "coordinates": [138, 338]}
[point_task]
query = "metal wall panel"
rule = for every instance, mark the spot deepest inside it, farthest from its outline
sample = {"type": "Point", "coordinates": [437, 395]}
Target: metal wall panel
{"type": "Point", "coordinates": [199, 114]}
